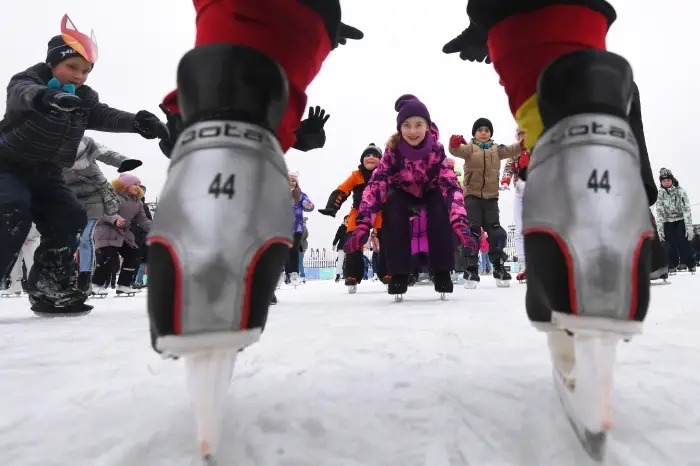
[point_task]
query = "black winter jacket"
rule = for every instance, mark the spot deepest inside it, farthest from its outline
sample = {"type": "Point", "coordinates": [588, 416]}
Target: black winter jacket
{"type": "Point", "coordinates": [46, 142]}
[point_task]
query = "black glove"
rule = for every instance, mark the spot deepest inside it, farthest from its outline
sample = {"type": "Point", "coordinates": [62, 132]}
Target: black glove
{"type": "Point", "coordinates": [311, 134]}
{"type": "Point", "coordinates": [149, 126]}
{"type": "Point", "coordinates": [128, 165]}
{"type": "Point", "coordinates": [57, 99]}
{"type": "Point", "coordinates": [335, 200]}
{"type": "Point", "coordinates": [346, 32]}
{"type": "Point", "coordinates": [471, 45]}
{"type": "Point", "coordinates": [175, 126]}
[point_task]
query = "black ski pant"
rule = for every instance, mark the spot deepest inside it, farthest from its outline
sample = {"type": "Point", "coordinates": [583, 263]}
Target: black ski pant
{"type": "Point", "coordinates": [107, 259]}
{"type": "Point", "coordinates": [292, 265]}
{"type": "Point", "coordinates": [484, 213]}
{"type": "Point", "coordinates": [59, 218]}
{"type": "Point", "coordinates": [678, 248]}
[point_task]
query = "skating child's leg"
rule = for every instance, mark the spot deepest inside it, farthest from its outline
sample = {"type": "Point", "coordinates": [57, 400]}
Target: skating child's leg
{"type": "Point", "coordinates": [440, 243]}
{"type": "Point", "coordinates": [130, 262]}
{"type": "Point", "coordinates": [15, 221]}
{"type": "Point", "coordinates": [87, 246]}
{"type": "Point", "coordinates": [474, 215]}
{"type": "Point", "coordinates": [60, 220]}
{"type": "Point", "coordinates": [396, 228]}
{"type": "Point", "coordinates": [107, 259]}
{"type": "Point", "coordinates": [563, 85]}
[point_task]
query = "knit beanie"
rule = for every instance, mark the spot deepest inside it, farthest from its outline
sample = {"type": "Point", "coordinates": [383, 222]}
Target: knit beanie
{"type": "Point", "coordinates": [409, 106]}
{"type": "Point", "coordinates": [371, 149]}
{"type": "Point", "coordinates": [58, 51]}
{"type": "Point", "coordinates": [294, 176]}
{"type": "Point", "coordinates": [665, 174]}
{"type": "Point", "coordinates": [128, 180]}
{"type": "Point", "coordinates": [482, 122]}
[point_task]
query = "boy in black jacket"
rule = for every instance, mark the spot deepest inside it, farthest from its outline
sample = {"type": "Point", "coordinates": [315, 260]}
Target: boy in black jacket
{"type": "Point", "coordinates": [48, 110]}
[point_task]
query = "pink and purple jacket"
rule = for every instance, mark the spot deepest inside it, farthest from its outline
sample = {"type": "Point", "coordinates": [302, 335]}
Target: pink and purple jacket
{"type": "Point", "coordinates": [414, 177]}
{"type": "Point", "coordinates": [419, 233]}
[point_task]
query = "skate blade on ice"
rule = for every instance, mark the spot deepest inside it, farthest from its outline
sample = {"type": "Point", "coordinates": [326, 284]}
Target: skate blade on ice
{"type": "Point", "coordinates": [398, 298]}
{"type": "Point", "coordinates": [588, 404]}
{"type": "Point", "coordinates": [470, 284]}
{"type": "Point", "coordinates": [502, 283]}
{"type": "Point", "coordinates": [209, 362]}
{"type": "Point", "coordinates": [352, 289]}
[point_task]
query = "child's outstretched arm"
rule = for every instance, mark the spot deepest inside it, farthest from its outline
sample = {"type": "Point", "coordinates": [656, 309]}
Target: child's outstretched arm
{"type": "Point", "coordinates": [108, 119]}
{"type": "Point", "coordinates": [22, 92]}
{"type": "Point", "coordinates": [306, 204]}
{"type": "Point", "coordinates": [341, 193]}
{"type": "Point", "coordinates": [508, 152]}
{"type": "Point", "coordinates": [375, 192]}
{"type": "Point", "coordinates": [508, 173]}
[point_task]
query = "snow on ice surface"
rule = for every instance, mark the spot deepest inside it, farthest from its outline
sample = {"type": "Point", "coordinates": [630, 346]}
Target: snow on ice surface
{"type": "Point", "coordinates": [344, 380]}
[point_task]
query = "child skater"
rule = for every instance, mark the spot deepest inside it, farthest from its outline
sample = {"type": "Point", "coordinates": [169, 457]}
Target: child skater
{"type": "Point", "coordinates": [413, 174]}
{"type": "Point", "coordinates": [48, 109]}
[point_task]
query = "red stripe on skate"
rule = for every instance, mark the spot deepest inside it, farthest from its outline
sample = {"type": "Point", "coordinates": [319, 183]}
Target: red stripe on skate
{"type": "Point", "coordinates": [635, 272]}
{"type": "Point", "coordinates": [567, 258]}
{"type": "Point", "coordinates": [245, 315]}
{"type": "Point", "coordinates": [177, 310]}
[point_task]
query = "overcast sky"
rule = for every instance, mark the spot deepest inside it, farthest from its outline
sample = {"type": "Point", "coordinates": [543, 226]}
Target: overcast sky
{"type": "Point", "coordinates": [140, 43]}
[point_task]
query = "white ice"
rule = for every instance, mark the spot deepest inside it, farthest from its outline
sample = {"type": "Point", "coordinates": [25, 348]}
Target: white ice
{"type": "Point", "coordinates": [345, 380]}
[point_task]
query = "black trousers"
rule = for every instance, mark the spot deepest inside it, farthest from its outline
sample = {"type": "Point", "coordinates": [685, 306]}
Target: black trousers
{"type": "Point", "coordinates": [108, 261]}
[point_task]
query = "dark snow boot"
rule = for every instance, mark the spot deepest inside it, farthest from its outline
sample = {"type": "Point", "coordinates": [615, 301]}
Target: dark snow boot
{"type": "Point", "coordinates": [398, 284]}
{"type": "Point", "coordinates": [84, 279]}
{"type": "Point", "coordinates": [443, 282]}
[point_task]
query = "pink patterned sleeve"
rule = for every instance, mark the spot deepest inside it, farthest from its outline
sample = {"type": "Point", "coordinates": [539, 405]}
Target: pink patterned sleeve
{"type": "Point", "coordinates": [452, 192]}
{"type": "Point", "coordinates": [375, 192]}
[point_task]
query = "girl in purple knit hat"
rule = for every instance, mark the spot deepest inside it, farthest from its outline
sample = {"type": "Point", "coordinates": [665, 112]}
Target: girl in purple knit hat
{"type": "Point", "coordinates": [114, 238]}
{"type": "Point", "coordinates": [411, 175]}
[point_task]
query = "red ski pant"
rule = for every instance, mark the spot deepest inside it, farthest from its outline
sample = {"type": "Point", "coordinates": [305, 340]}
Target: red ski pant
{"type": "Point", "coordinates": [290, 33]}
{"type": "Point", "coordinates": [522, 45]}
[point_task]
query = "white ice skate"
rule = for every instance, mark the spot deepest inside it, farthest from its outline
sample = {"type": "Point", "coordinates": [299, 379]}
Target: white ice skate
{"type": "Point", "coordinates": [124, 291]}
{"type": "Point", "coordinates": [294, 279]}
{"type": "Point", "coordinates": [99, 292]}
{"type": "Point", "coordinates": [12, 291]}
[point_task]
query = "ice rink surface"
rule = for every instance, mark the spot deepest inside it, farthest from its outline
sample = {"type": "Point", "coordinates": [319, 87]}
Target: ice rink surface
{"type": "Point", "coordinates": [345, 380]}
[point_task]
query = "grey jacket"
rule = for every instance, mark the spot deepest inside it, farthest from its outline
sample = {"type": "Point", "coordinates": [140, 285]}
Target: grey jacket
{"type": "Point", "coordinates": [108, 234]}
{"type": "Point", "coordinates": [88, 183]}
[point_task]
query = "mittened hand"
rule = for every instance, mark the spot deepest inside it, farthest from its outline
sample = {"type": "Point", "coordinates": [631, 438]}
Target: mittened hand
{"type": "Point", "coordinates": [358, 238]}
{"type": "Point", "coordinates": [457, 140]}
{"type": "Point", "coordinates": [58, 99]}
{"type": "Point", "coordinates": [149, 126]}
{"type": "Point", "coordinates": [128, 165]}
{"type": "Point", "coordinates": [346, 32]}
{"type": "Point", "coordinates": [471, 45]}
{"type": "Point", "coordinates": [465, 236]}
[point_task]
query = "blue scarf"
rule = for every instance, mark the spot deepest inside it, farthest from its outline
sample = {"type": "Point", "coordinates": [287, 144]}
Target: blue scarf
{"type": "Point", "coordinates": [483, 145]}
{"type": "Point", "coordinates": [56, 84]}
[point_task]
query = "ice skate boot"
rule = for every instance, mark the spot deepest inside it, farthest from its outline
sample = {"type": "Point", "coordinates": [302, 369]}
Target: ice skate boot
{"type": "Point", "coordinates": [672, 270]}
{"type": "Point", "coordinates": [212, 280]}
{"type": "Point", "coordinates": [691, 269]}
{"type": "Point", "coordinates": [99, 292]}
{"type": "Point", "coordinates": [659, 276]}
{"type": "Point", "coordinates": [12, 291]}
{"type": "Point", "coordinates": [337, 278]}
{"type": "Point", "coordinates": [274, 299]}
{"type": "Point", "coordinates": [443, 283]}
{"type": "Point", "coordinates": [500, 274]}
{"type": "Point", "coordinates": [124, 291]}
{"type": "Point", "coordinates": [587, 227]}
{"type": "Point", "coordinates": [682, 268]}
{"type": "Point", "coordinates": [294, 279]}
{"type": "Point", "coordinates": [471, 277]}
{"type": "Point", "coordinates": [51, 282]}
{"type": "Point", "coordinates": [84, 282]}
{"type": "Point", "coordinates": [457, 277]}
{"type": "Point", "coordinates": [398, 286]}
{"type": "Point", "coordinates": [351, 283]}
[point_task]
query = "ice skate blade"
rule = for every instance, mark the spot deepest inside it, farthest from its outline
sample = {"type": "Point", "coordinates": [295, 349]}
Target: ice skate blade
{"type": "Point", "coordinates": [659, 282]}
{"type": "Point", "coordinates": [470, 284]}
{"type": "Point", "coordinates": [502, 283]}
{"type": "Point", "coordinates": [443, 296]}
{"type": "Point", "coordinates": [61, 314]}
{"type": "Point", "coordinates": [182, 345]}
{"type": "Point", "coordinates": [209, 375]}
{"type": "Point", "coordinates": [398, 298]}
{"type": "Point", "coordinates": [352, 289]}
